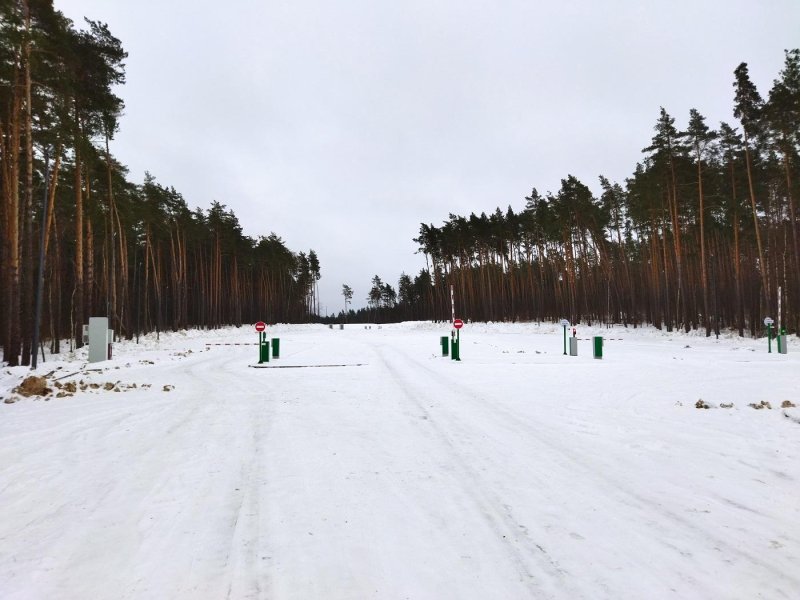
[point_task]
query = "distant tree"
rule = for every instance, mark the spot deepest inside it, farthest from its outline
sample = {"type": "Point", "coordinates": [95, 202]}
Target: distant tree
{"type": "Point", "coordinates": [314, 272]}
{"type": "Point", "coordinates": [748, 106]}
{"type": "Point", "coordinates": [699, 136]}
{"type": "Point", "coordinates": [347, 292]}
{"type": "Point", "coordinates": [388, 296]}
{"type": "Point", "coordinates": [782, 113]}
{"type": "Point", "coordinates": [406, 297]}
{"type": "Point", "coordinates": [375, 295]}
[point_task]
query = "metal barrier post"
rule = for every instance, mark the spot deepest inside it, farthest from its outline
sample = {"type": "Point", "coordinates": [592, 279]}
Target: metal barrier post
{"type": "Point", "coordinates": [598, 346]}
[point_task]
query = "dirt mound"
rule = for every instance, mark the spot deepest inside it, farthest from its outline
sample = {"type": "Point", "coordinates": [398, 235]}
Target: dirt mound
{"type": "Point", "coordinates": [33, 386]}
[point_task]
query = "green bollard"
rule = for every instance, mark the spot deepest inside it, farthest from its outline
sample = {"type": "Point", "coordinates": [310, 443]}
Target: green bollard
{"type": "Point", "coordinates": [276, 348]}
{"type": "Point", "coordinates": [263, 348]}
{"type": "Point", "coordinates": [445, 346]}
{"type": "Point", "coordinates": [598, 346]}
{"type": "Point", "coordinates": [769, 338]}
{"type": "Point", "coordinates": [456, 353]}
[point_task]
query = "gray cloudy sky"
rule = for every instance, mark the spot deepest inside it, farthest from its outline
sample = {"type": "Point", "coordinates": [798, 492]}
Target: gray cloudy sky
{"type": "Point", "coordinates": [342, 125]}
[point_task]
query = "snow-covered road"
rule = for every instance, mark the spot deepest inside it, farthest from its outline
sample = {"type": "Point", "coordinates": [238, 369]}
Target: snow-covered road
{"type": "Point", "coordinates": [516, 473]}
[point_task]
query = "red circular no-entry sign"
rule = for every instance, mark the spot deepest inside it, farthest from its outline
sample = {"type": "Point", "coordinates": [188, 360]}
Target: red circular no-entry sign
{"type": "Point", "coordinates": [261, 326]}
{"type": "Point", "coordinates": [458, 323]}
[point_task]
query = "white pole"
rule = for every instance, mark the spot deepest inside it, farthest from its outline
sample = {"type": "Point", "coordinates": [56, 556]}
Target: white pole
{"type": "Point", "coordinates": [452, 306]}
{"type": "Point", "coordinates": [778, 330]}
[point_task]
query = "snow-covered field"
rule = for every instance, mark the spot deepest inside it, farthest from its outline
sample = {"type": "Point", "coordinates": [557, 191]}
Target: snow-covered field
{"type": "Point", "coordinates": [516, 473]}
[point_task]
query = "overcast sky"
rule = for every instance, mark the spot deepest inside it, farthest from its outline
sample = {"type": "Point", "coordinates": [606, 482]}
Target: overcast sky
{"type": "Point", "coordinates": [342, 125]}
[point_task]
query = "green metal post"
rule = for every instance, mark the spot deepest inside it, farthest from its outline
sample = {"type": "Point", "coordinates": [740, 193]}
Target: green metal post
{"type": "Point", "coordinates": [445, 346]}
{"type": "Point", "coordinates": [457, 353]}
{"type": "Point", "coordinates": [276, 348]}
{"type": "Point", "coordinates": [565, 340]}
{"type": "Point", "coordinates": [263, 348]}
{"type": "Point", "coordinates": [769, 338]}
{"type": "Point", "coordinates": [598, 346]}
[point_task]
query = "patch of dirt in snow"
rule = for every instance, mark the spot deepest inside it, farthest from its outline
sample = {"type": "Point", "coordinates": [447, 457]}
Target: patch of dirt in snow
{"type": "Point", "coordinates": [33, 386]}
{"type": "Point", "coordinates": [764, 404]}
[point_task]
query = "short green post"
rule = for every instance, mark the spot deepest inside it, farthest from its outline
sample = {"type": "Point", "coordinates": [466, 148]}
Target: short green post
{"type": "Point", "coordinates": [445, 346]}
{"type": "Point", "coordinates": [598, 346]}
{"type": "Point", "coordinates": [263, 348]}
{"type": "Point", "coordinates": [276, 348]}
{"type": "Point", "coordinates": [565, 324]}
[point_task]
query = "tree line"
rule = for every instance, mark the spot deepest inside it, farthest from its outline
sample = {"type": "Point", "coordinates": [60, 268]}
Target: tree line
{"type": "Point", "coordinates": [78, 239]}
{"type": "Point", "coordinates": [703, 234]}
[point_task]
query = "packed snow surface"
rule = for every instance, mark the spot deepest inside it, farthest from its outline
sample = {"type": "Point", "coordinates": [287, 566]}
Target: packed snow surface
{"type": "Point", "coordinates": [517, 472]}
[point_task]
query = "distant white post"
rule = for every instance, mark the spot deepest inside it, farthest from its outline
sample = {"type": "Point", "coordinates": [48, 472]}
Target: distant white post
{"type": "Point", "coordinates": [452, 306]}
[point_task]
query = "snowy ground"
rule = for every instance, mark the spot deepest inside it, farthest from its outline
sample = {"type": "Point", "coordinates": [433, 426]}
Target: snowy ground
{"type": "Point", "coordinates": [516, 473]}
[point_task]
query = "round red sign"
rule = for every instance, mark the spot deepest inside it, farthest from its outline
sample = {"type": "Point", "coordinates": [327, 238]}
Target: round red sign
{"type": "Point", "coordinates": [261, 326]}
{"type": "Point", "coordinates": [458, 323]}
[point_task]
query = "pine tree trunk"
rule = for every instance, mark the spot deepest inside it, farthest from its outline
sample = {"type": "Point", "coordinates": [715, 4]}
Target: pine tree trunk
{"type": "Point", "coordinates": [762, 265]}
{"type": "Point", "coordinates": [26, 258]}
{"type": "Point", "coordinates": [78, 292]}
{"type": "Point", "coordinates": [703, 270]}
{"type": "Point", "coordinates": [12, 346]}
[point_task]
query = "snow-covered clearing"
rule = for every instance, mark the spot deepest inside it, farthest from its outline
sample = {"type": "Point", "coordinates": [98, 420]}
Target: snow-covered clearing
{"type": "Point", "coordinates": [516, 473]}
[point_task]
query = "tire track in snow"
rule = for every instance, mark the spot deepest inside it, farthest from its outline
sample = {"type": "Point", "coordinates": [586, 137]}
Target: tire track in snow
{"type": "Point", "coordinates": [611, 485]}
{"type": "Point", "coordinates": [243, 576]}
{"type": "Point", "coordinates": [497, 515]}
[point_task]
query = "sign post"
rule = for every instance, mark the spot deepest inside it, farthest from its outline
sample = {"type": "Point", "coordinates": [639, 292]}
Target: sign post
{"type": "Point", "coordinates": [263, 344]}
{"type": "Point", "coordinates": [565, 324]}
{"type": "Point", "coordinates": [456, 353]}
{"type": "Point", "coordinates": [768, 321]}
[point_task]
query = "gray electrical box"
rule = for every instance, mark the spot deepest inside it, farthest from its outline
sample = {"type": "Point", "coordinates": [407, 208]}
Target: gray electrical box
{"type": "Point", "coordinates": [782, 343]}
{"type": "Point", "coordinates": [573, 346]}
{"type": "Point", "coordinates": [98, 339]}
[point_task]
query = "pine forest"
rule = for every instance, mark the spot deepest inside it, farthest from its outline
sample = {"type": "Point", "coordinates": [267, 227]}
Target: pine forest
{"type": "Point", "coordinates": [702, 235]}
{"type": "Point", "coordinates": [134, 252]}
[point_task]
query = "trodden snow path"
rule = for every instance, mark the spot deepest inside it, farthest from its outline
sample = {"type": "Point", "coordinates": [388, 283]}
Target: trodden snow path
{"type": "Point", "coordinates": [516, 473]}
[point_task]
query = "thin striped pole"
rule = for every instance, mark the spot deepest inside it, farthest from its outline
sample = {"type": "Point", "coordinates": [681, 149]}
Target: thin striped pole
{"type": "Point", "coordinates": [452, 306]}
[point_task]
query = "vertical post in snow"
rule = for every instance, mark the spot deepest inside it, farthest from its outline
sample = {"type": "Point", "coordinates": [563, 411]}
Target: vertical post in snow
{"type": "Point", "coordinates": [564, 325]}
{"type": "Point", "coordinates": [40, 278]}
{"type": "Point", "coordinates": [454, 345]}
{"type": "Point", "coordinates": [778, 328]}
{"type": "Point", "coordinates": [452, 305]}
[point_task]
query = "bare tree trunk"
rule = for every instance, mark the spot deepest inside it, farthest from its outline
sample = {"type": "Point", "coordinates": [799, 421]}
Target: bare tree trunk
{"type": "Point", "coordinates": [703, 269]}
{"type": "Point", "coordinates": [26, 258]}
{"type": "Point", "coordinates": [762, 266]}
{"type": "Point", "coordinates": [12, 346]}
{"type": "Point", "coordinates": [78, 315]}
{"type": "Point", "coordinates": [112, 271]}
